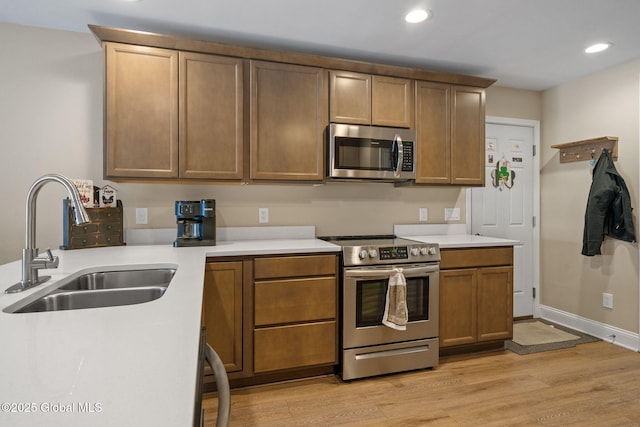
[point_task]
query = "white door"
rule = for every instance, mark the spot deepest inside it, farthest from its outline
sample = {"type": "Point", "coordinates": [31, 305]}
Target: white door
{"type": "Point", "coordinates": [504, 207]}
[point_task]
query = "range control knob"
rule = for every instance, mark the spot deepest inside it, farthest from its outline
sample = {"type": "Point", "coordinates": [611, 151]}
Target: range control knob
{"type": "Point", "coordinates": [432, 250]}
{"type": "Point", "coordinates": [415, 251]}
{"type": "Point", "coordinates": [362, 254]}
{"type": "Point", "coordinates": [424, 250]}
{"type": "Point", "coordinates": [373, 253]}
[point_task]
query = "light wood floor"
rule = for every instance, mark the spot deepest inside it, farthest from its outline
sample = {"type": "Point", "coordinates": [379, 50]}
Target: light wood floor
{"type": "Point", "coordinates": [595, 384]}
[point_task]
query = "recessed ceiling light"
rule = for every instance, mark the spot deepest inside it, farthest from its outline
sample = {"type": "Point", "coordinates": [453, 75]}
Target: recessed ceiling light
{"type": "Point", "coordinates": [417, 15]}
{"type": "Point", "coordinates": [598, 47]}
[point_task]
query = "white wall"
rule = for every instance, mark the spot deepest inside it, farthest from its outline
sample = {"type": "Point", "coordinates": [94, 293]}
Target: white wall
{"type": "Point", "coordinates": [603, 104]}
{"type": "Point", "coordinates": [50, 107]}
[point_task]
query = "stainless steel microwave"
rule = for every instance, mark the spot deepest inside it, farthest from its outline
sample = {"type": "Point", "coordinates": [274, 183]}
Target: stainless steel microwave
{"type": "Point", "coordinates": [370, 152]}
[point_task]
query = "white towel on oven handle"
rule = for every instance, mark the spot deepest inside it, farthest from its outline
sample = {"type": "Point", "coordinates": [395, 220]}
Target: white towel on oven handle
{"type": "Point", "coordinates": [396, 314]}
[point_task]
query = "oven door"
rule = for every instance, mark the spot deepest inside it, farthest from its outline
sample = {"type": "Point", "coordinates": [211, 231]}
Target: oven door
{"type": "Point", "coordinates": [364, 298]}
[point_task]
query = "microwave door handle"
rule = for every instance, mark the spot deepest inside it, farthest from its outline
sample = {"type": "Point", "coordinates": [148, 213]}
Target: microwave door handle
{"type": "Point", "coordinates": [397, 141]}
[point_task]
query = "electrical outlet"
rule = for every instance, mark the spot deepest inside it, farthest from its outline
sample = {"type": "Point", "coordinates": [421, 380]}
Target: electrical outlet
{"type": "Point", "coordinates": [142, 216]}
{"type": "Point", "coordinates": [607, 300]}
{"type": "Point", "coordinates": [452, 214]}
{"type": "Point", "coordinates": [263, 215]}
{"type": "Point", "coordinates": [424, 214]}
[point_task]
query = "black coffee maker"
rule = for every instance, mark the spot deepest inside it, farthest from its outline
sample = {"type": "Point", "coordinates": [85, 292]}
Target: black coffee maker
{"type": "Point", "coordinates": [196, 223]}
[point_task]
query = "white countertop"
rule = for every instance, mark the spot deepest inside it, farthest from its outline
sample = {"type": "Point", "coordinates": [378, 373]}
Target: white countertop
{"type": "Point", "coordinates": [449, 236]}
{"type": "Point", "coordinates": [446, 241]}
{"type": "Point", "coordinates": [115, 366]}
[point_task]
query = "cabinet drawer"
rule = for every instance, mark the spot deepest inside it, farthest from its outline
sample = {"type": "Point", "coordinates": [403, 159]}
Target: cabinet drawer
{"type": "Point", "coordinates": [294, 266]}
{"type": "Point", "coordinates": [476, 257]}
{"type": "Point", "coordinates": [96, 239]}
{"type": "Point", "coordinates": [113, 215]}
{"type": "Point", "coordinates": [295, 300]}
{"type": "Point", "coordinates": [295, 346]}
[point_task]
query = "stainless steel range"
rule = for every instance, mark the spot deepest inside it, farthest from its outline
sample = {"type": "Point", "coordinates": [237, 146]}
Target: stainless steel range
{"type": "Point", "coordinates": [368, 347]}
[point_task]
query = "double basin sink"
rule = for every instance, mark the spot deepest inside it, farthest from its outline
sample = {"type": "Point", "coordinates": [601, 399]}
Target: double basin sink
{"type": "Point", "coordinates": [100, 289]}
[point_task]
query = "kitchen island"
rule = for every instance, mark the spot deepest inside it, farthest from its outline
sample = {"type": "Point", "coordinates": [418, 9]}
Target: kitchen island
{"type": "Point", "coordinates": [113, 366]}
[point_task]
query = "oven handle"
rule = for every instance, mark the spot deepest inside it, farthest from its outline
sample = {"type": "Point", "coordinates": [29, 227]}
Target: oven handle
{"type": "Point", "coordinates": [383, 273]}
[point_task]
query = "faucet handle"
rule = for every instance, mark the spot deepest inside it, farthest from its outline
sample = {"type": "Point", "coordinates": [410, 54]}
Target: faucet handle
{"type": "Point", "coordinates": [49, 255]}
{"type": "Point", "coordinates": [46, 261]}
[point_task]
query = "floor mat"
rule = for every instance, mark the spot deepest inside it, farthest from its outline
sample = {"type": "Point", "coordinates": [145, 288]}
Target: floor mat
{"type": "Point", "coordinates": [555, 337]}
{"type": "Point", "coordinates": [533, 333]}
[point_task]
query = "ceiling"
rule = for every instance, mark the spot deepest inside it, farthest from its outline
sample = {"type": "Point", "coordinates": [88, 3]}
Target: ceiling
{"type": "Point", "coordinates": [527, 44]}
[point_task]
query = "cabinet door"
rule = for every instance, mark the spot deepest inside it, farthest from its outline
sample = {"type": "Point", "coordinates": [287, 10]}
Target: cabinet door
{"type": "Point", "coordinates": [371, 100]}
{"type": "Point", "coordinates": [467, 136]}
{"type": "Point", "coordinates": [141, 123]}
{"type": "Point", "coordinates": [222, 311]}
{"type": "Point", "coordinates": [458, 315]}
{"type": "Point", "coordinates": [211, 127]}
{"type": "Point", "coordinates": [433, 128]}
{"type": "Point", "coordinates": [289, 114]}
{"type": "Point", "coordinates": [350, 98]}
{"type": "Point", "coordinates": [495, 303]}
{"type": "Point", "coordinates": [392, 102]}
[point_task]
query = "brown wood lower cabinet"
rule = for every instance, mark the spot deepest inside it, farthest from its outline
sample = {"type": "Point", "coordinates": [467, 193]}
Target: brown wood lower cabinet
{"type": "Point", "coordinates": [274, 317]}
{"type": "Point", "coordinates": [294, 300]}
{"type": "Point", "coordinates": [476, 296]}
{"type": "Point", "coordinates": [495, 303]}
{"type": "Point", "coordinates": [294, 346]}
{"type": "Point", "coordinates": [458, 307]}
{"type": "Point", "coordinates": [295, 306]}
{"type": "Point", "coordinates": [222, 311]}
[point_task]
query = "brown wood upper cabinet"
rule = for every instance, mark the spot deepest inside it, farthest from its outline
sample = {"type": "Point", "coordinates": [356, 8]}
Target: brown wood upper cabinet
{"type": "Point", "coordinates": [367, 99]}
{"type": "Point", "coordinates": [450, 126]}
{"type": "Point", "coordinates": [288, 114]}
{"type": "Point", "coordinates": [211, 116]}
{"type": "Point", "coordinates": [172, 114]}
{"type": "Point", "coordinates": [141, 132]}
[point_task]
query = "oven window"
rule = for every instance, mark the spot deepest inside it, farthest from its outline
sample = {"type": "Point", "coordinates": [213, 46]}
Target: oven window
{"type": "Point", "coordinates": [363, 154]}
{"type": "Point", "coordinates": [371, 297]}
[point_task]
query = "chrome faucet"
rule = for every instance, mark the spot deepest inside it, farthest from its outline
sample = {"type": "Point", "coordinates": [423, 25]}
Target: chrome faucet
{"type": "Point", "coordinates": [31, 262]}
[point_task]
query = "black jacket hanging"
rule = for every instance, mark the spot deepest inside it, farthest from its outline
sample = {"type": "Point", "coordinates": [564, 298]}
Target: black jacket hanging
{"type": "Point", "coordinates": [608, 208]}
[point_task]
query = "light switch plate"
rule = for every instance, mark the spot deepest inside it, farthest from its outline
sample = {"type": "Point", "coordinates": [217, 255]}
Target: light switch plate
{"type": "Point", "coordinates": [607, 300]}
{"type": "Point", "coordinates": [142, 216]}
{"type": "Point", "coordinates": [263, 215]}
{"type": "Point", "coordinates": [424, 214]}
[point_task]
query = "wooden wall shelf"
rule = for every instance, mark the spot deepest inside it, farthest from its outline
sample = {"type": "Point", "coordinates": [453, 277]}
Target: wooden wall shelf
{"type": "Point", "coordinates": [587, 149]}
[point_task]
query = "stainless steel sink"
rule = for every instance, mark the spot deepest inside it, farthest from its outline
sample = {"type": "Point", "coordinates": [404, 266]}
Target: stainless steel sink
{"type": "Point", "coordinates": [120, 279]}
{"type": "Point", "coordinates": [74, 300]}
{"type": "Point", "coordinates": [100, 289]}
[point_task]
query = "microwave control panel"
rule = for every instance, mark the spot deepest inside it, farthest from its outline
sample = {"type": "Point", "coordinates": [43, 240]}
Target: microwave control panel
{"type": "Point", "coordinates": [407, 156]}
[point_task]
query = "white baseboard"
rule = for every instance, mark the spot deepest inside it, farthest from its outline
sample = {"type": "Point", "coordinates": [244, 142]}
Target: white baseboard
{"type": "Point", "coordinates": [621, 337]}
